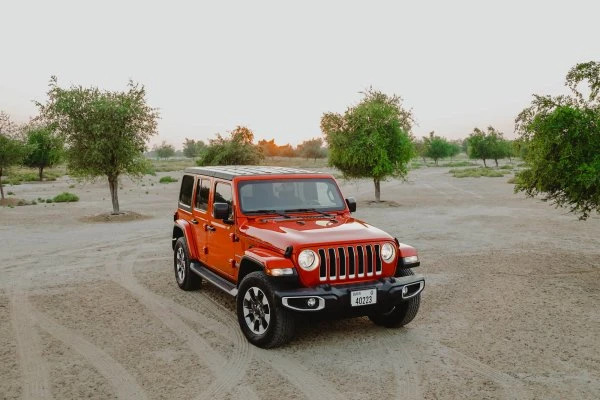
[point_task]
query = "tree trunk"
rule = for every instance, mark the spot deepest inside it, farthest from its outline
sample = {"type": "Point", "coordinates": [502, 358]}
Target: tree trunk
{"type": "Point", "coordinates": [484, 164]}
{"type": "Point", "coordinates": [113, 183]}
{"type": "Point", "coordinates": [377, 189]}
{"type": "Point", "coordinates": [496, 160]}
{"type": "Point", "coordinates": [1, 188]}
{"type": "Point", "coordinates": [436, 162]}
{"type": "Point", "coordinates": [41, 173]}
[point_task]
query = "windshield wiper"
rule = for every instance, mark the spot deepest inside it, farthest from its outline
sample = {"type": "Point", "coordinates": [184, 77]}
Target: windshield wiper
{"type": "Point", "coordinates": [268, 212]}
{"type": "Point", "coordinates": [309, 210]}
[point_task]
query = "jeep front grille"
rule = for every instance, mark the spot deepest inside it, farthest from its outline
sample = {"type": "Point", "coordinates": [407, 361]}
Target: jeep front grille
{"type": "Point", "coordinates": [343, 263]}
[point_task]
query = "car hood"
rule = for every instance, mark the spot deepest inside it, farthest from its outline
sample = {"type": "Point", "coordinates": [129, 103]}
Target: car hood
{"type": "Point", "coordinates": [309, 232]}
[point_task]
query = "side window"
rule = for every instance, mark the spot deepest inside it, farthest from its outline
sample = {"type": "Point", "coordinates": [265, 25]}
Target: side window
{"type": "Point", "coordinates": [223, 194]}
{"type": "Point", "coordinates": [202, 193]}
{"type": "Point", "coordinates": [187, 186]}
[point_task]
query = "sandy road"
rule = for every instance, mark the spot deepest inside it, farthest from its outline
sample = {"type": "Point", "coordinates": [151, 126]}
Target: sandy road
{"type": "Point", "coordinates": [510, 311]}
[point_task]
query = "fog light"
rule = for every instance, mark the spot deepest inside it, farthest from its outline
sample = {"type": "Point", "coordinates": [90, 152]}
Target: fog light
{"type": "Point", "coordinates": [311, 302]}
{"type": "Point", "coordinates": [404, 290]}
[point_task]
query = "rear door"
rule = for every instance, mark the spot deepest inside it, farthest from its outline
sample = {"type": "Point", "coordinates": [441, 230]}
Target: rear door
{"type": "Point", "coordinates": [200, 216]}
{"type": "Point", "coordinates": [220, 233]}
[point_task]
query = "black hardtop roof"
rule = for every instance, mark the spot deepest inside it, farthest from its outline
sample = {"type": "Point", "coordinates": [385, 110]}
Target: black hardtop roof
{"type": "Point", "coordinates": [231, 171]}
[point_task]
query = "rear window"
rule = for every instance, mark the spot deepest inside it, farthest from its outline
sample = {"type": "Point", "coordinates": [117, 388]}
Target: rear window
{"type": "Point", "coordinates": [187, 187]}
{"type": "Point", "coordinates": [202, 193]}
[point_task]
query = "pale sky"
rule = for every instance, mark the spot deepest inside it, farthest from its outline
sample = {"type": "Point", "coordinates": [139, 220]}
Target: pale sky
{"type": "Point", "coordinates": [277, 66]}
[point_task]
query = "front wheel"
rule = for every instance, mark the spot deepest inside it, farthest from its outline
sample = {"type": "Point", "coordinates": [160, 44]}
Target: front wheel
{"type": "Point", "coordinates": [400, 314]}
{"type": "Point", "coordinates": [264, 323]}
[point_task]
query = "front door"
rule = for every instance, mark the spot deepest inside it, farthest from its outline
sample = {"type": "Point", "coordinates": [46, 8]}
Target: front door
{"type": "Point", "coordinates": [220, 233]}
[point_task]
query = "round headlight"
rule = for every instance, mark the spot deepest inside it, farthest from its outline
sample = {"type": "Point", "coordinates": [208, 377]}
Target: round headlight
{"type": "Point", "coordinates": [387, 252]}
{"type": "Point", "coordinates": [308, 260]}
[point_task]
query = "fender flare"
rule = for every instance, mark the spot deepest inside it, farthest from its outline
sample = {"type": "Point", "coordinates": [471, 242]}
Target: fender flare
{"type": "Point", "coordinates": [267, 258]}
{"type": "Point", "coordinates": [188, 233]}
{"type": "Point", "coordinates": [261, 259]}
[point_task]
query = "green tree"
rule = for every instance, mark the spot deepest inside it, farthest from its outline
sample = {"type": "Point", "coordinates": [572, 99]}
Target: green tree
{"type": "Point", "coordinates": [193, 148]}
{"type": "Point", "coordinates": [238, 149]}
{"type": "Point", "coordinates": [12, 150]}
{"type": "Point", "coordinates": [438, 147]}
{"type": "Point", "coordinates": [105, 132]}
{"type": "Point", "coordinates": [164, 150]}
{"type": "Point", "coordinates": [420, 147]}
{"type": "Point", "coordinates": [371, 139]}
{"type": "Point", "coordinates": [520, 148]}
{"type": "Point", "coordinates": [478, 146]}
{"type": "Point", "coordinates": [498, 147]}
{"type": "Point", "coordinates": [455, 148]}
{"type": "Point", "coordinates": [562, 137]}
{"type": "Point", "coordinates": [312, 148]}
{"type": "Point", "coordinates": [46, 148]}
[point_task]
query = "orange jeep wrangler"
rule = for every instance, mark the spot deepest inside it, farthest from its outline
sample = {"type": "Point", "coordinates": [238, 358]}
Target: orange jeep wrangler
{"type": "Point", "coordinates": [283, 242]}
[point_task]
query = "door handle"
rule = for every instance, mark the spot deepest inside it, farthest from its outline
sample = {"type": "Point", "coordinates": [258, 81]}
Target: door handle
{"type": "Point", "coordinates": [195, 222]}
{"type": "Point", "coordinates": [209, 228]}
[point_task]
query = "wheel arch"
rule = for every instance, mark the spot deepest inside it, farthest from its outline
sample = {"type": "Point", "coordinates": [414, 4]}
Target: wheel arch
{"type": "Point", "coordinates": [247, 266]}
{"type": "Point", "coordinates": [182, 228]}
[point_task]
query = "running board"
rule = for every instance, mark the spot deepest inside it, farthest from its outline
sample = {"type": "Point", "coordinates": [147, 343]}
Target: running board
{"type": "Point", "coordinates": [213, 278]}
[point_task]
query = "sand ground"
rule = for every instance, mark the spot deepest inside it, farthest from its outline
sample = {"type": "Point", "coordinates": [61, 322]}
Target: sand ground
{"type": "Point", "coordinates": [511, 309]}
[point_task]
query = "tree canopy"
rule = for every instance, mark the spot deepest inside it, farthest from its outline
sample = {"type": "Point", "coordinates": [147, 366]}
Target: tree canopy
{"type": "Point", "coordinates": [12, 150]}
{"type": "Point", "coordinates": [164, 150]}
{"type": "Point", "coordinates": [193, 148]}
{"type": "Point", "coordinates": [45, 148]}
{"type": "Point", "coordinates": [371, 139]}
{"type": "Point", "coordinates": [238, 149]}
{"type": "Point", "coordinates": [488, 145]}
{"type": "Point", "coordinates": [436, 147]}
{"type": "Point", "coordinates": [312, 148]}
{"type": "Point", "coordinates": [105, 132]}
{"type": "Point", "coordinates": [561, 135]}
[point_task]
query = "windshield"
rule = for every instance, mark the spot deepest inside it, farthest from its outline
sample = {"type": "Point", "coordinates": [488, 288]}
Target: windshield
{"type": "Point", "coordinates": [290, 195]}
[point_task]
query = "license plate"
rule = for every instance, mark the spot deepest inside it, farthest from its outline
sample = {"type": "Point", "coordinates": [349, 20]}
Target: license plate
{"type": "Point", "coordinates": [363, 297]}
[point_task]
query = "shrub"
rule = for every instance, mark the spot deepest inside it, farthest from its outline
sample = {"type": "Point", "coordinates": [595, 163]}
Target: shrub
{"type": "Point", "coordinates": [9, 193]}
{"type": "Point", "coordinates": [167, 179]}
{"type": "Point", "coordinates": [65, 197]}
{"type": "Point", "coordinates": [49, 201]}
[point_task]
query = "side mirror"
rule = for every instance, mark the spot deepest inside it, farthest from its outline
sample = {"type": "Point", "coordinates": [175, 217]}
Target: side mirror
{"type": "Point", "coordinates": [351, 204]}
{"type": "Point", "coordinates": [221, 210]}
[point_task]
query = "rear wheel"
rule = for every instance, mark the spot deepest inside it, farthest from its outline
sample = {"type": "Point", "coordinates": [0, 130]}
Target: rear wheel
{"type": "Point", "coordinates": [264, 323]}
{"type": "Point", "coordinates": [400, 314]}
{"type": "Point", "coordinates": [185, 278]}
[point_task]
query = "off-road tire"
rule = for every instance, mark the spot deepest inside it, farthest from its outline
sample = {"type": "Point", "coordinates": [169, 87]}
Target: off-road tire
{"type": "Point", "coordinates": [400, 314]}
{"type": "Point", "coordinates": [281, 325]}
{"type": "Point", "coordinates": [186, 279]}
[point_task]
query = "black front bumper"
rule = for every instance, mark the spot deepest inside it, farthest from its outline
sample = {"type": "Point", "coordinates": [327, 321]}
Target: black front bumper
{"type": "Point", "coordinates": [335, 300]}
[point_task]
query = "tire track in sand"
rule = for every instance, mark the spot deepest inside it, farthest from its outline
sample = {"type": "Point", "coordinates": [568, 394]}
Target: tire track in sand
{"type": "Point", "coordinates": [35, 374]}
{"type": "Point", "coordinates": [124, 384]}
{"type": "Point", "coordinates": [222, 321]}
{"type": "Point", "coordinates": [228, 372]}
{"type": "Point", "coordinates": [310, 385]}
{"type": "Point", "coordinates": [406, 377]}
{"type": "Point", "coordinates": [512, 387]}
